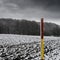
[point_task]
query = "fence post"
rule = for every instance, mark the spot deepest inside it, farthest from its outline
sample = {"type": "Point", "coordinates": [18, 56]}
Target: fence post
{"type": "Point", "coordinates": [42, 38]}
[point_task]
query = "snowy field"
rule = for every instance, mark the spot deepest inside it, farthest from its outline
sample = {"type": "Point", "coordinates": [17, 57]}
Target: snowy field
{"type": "Point", "coordinates": [24, 47]}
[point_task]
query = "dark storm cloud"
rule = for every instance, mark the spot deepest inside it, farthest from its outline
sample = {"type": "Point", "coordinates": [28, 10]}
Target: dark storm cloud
{"type": "Point", "coordinates": [47, 2]}
{"type": "Point", "coordinates": [53, 5]}
{"type": "Point", "coordinates": [50, 5]}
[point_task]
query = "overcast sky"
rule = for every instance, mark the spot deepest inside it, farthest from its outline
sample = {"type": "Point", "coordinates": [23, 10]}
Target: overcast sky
{"type": "Point", "coordinates": [31, 9]}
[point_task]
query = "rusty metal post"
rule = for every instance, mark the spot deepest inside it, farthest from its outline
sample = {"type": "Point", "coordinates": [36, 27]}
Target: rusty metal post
{"type": "Point", "coordinates": [42, 38]}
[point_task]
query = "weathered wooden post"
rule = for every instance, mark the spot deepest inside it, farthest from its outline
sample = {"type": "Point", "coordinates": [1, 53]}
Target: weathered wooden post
{"type": "Point", "coordinates": [42, 38]}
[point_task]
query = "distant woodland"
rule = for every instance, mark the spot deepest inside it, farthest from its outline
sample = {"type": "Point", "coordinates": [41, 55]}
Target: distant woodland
{"type": "Point", "coordinates": [25, 27]}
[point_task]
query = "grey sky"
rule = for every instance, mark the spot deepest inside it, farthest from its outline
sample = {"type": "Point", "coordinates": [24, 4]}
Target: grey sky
{"type": "Point", "coordinates": [31, 9]}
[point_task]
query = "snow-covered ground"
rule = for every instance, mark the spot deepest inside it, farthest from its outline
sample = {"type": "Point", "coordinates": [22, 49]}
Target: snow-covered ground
{"type": "Point", "coordinates": [24, 47]}
{"type": "Point", "coordinates": [17, 39]}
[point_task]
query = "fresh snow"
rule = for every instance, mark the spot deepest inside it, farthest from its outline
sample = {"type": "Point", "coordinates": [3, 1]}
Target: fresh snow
{"type": "Point", "coordinates": [27, 47]}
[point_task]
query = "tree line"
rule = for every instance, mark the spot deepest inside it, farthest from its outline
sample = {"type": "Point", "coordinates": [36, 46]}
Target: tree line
{"type": "Point", "coordinates": [25, 27]}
